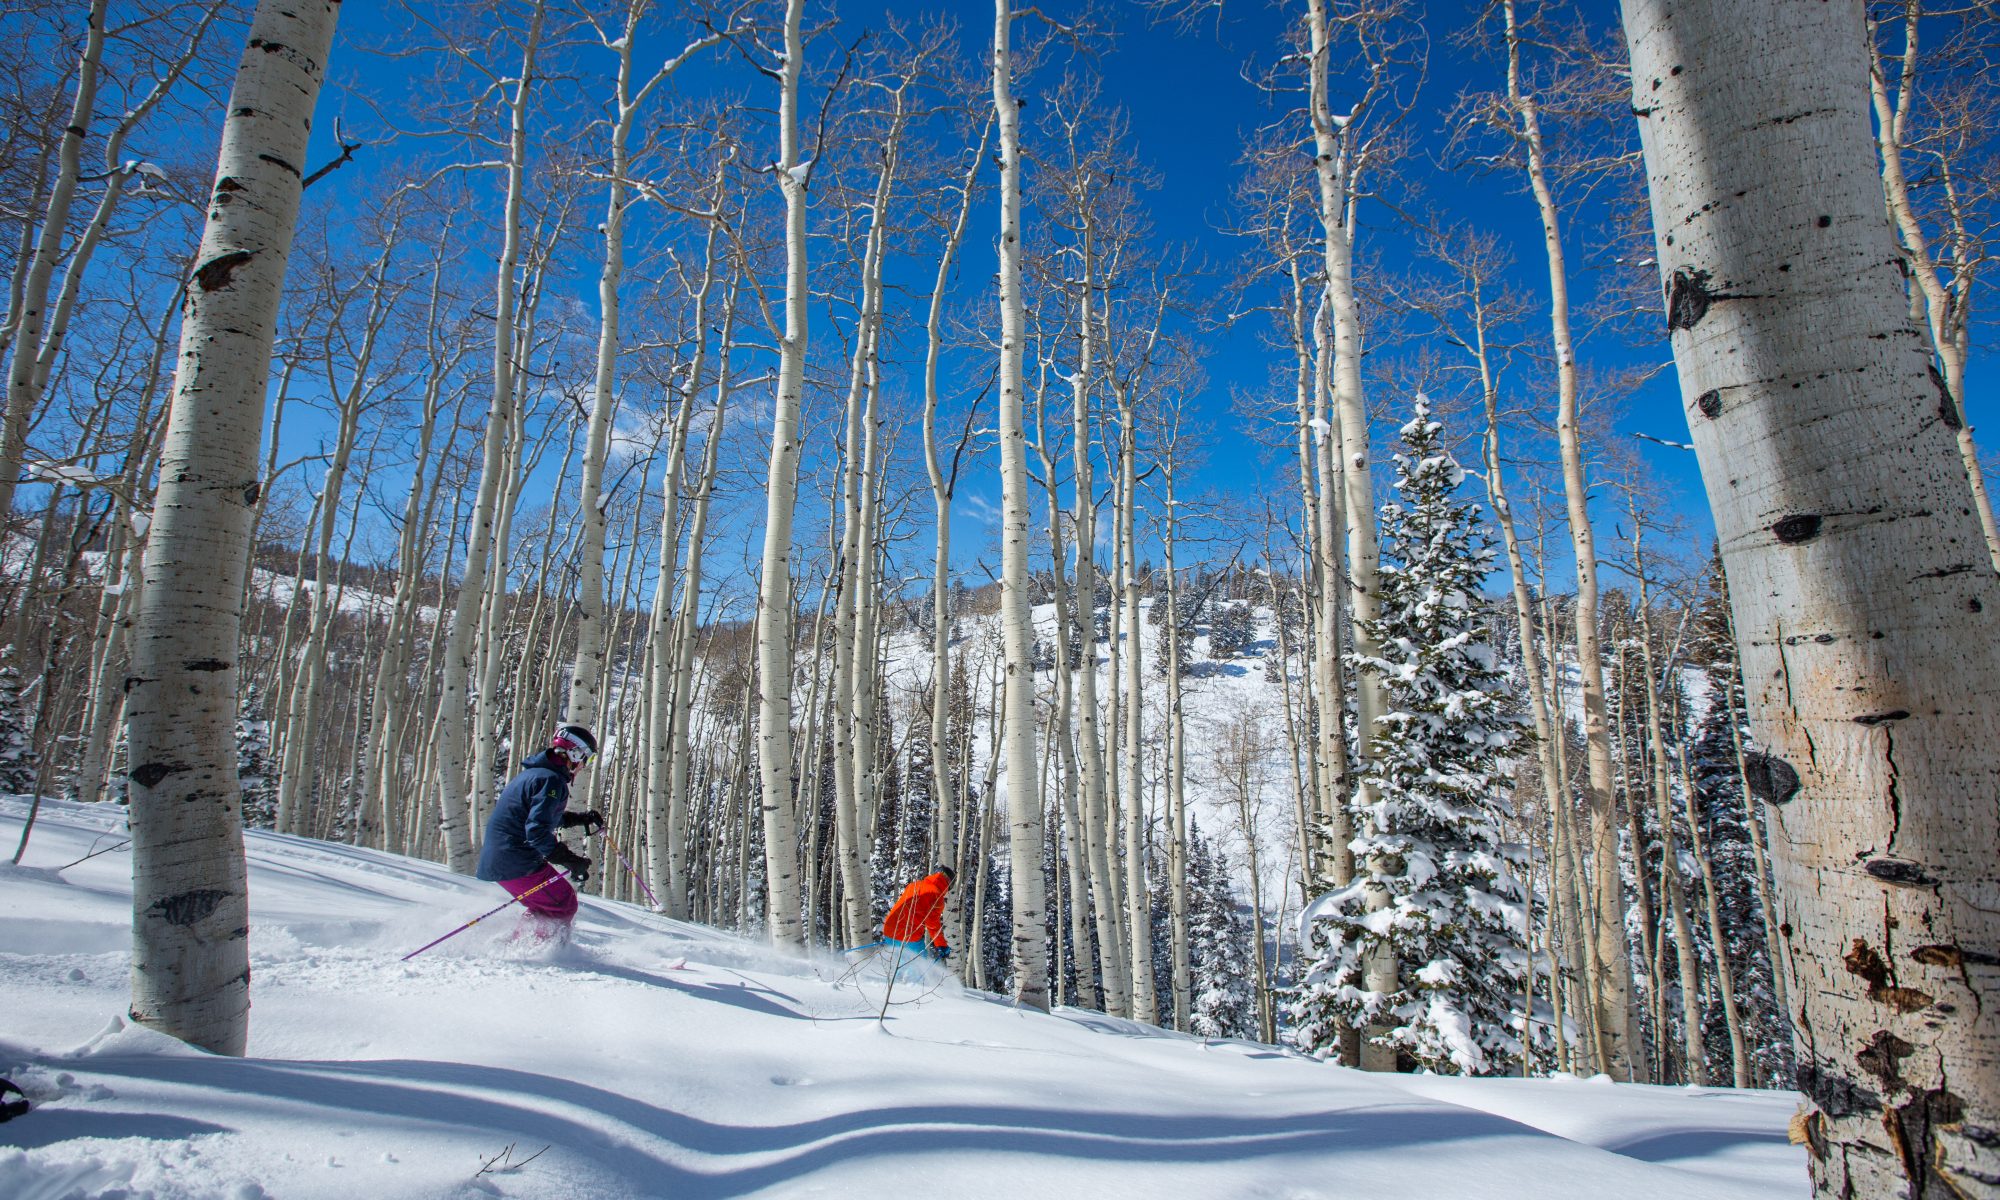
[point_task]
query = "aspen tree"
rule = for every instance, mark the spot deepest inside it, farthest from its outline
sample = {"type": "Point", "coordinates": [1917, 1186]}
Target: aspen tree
{"type": "Point", "coordinates": [1613, 989]}
{"type": "Point", "coordinates": [630, 93]}
{"type": "Point", "coordinates": [38, 322]}
{"type": "Point", "coordinates": [775, 761]}
{"type": "Point", "coordinates": [454, 806]}
{"type": "Point", "coordinates": [190, 903]}
{"type": "Point", "coordinates": [1024, 807]}
{"type": "Point", "coordinates": [1945, 303]}
{"type": "Point", "coordinates": [944, 483]}
{"type": "Point", "coordinates": [1863, 599]}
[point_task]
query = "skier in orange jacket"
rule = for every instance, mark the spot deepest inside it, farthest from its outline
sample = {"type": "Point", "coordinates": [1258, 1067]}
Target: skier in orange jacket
{"type": "Point", "coordinates": [917, 917]}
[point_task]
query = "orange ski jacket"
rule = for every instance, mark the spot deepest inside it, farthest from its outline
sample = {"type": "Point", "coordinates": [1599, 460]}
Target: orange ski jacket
{"type": "Point", "coordinates": [918, 913]}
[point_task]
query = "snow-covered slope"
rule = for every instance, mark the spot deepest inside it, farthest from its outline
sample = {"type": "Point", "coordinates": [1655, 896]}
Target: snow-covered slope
{"type": "Point", "coordinates": [659, 1059]}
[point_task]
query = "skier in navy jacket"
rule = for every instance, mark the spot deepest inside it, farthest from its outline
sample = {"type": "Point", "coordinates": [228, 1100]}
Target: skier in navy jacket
{"type": "Point", "coordinates": [521, 852]}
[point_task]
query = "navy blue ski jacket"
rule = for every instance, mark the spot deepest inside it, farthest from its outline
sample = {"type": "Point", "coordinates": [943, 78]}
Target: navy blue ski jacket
{"type": "Point", "coordinates": [521, 833]}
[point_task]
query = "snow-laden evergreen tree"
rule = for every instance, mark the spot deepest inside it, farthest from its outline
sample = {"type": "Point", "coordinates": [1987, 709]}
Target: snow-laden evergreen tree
{"type": "Point", "coordinates": [18, 759]}
{"type": "Point", "coordinates": [1456, 912]}
{"type": "Point", "coordinates": [1224, 1002]}
{"type": "Point", "coordinates": [1231, 630]}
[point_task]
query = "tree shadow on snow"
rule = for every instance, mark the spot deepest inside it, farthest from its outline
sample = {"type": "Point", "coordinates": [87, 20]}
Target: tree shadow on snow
{"type": "Point", "coordinates": [48, 1126]}
{"type": "Point", "coordinates": [561, 1112]}
{"type": "Point", "coordinates": [1693, 1143]}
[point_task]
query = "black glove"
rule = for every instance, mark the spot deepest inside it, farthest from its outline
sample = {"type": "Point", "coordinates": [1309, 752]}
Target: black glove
{"type": "Point", "coordinates": [941, 953]}
{"type": "Point", "coordinates": [591, 821]}
{"type": "Point", "coordinates": [566, 859]}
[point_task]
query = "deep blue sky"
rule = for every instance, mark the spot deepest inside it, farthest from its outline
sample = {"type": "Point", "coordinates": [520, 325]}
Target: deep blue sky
{"type": "Point", "coordinates": [1190, 109]}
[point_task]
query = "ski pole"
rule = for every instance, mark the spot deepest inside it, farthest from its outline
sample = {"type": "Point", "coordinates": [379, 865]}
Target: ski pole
{"type": "Point", "coordinates": [482, 916]}
{"type": "Point", "coordinates": [604, 831]}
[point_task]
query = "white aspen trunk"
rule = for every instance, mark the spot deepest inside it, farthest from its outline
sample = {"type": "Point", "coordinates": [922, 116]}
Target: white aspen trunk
{"type": "Point", "coordinates": [1693, 1047]}
{"type": "Point", "coordinates": [665, 838]}
{"type": "Point", "coordinates": [1613, 975]}
{"type": "Point", "coordinates": [586, 688]}
{"type": "Point", "coordinates": [687, 634]}
{"type": "Point", "coordinates": [853, 638]}
{"type": "Point", "coordinates": [190, 903]}
{"type": "Point", "coordinates": [1177, 833]}
{"type": "Point", "coordinates": [301, 722]}
{"type": "Point", "coordinates": [943, 484]}
{"type": "Point", "coordinates": [1891, 131]}
{"type": "Point", "coordinates": [30, 311]}
{"type": "Point", "coordinates": [1334, 170]}
{"type": "Point", "coordinates": [1097, 819]}
{"type": "Point", "coordinates": [1024, 804]}
{"type": "Point", "coordinates": [453, 807]}
{"type": "Point", "coordinates": [1863, 599]}
{"type": "Point", "coordinates": [1138, 899]}
{"type": "Point", "coordinates": [389, 691]}
{"type": "Point", "coordinates": [124, 571]}
{"type": "Point", "coordinates": [1328, 851]}
{"type": "Point", "coordinates": [774, 589]}
{"type": "Point", "coordinates": [1718, 935]}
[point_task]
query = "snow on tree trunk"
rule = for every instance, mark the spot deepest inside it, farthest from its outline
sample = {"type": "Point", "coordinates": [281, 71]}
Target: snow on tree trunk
{"type": "Point", "coordinates": [190, 904]}
{"type": "Point", "coordinates": [1024, 803]}
{"type": "Point", "coordinates": [1864, 599]}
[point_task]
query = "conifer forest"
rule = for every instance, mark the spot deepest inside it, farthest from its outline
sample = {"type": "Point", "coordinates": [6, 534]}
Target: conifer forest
{"type": "Point", "coordinates": [1443, 537]}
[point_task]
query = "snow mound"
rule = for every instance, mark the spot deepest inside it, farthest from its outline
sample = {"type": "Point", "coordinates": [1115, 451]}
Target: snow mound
{"type": "Point", "coordinates": [654, 1058]}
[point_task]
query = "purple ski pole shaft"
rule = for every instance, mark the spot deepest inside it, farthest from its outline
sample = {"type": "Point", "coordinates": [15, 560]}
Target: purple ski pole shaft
{"type": "Point", "coordinates": [637, 878]}
{"type": "Point", "coordinates": [481, 917]}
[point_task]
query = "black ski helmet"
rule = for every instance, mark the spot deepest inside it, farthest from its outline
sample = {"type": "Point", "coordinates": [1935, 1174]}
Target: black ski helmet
{"type": "Point", "coordinates": [950, 876]}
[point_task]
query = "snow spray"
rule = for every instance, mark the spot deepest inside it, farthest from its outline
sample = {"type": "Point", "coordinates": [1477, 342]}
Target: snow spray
{"type": "Point", "coordinates": [512, 900]}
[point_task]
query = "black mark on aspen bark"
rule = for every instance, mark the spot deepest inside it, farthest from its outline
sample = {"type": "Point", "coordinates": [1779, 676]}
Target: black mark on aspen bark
{"type": "Point", "coordinates": [1941, 572]}
{"type": "Point", "coordinates": [1864, 963]}
{"type": "Point", "coordinates": [280, 163]}
{"type": "Point", "coordinates": [150, 774]}
{"type": "Point", "coordinates": [1953, 956]}
{"type": "Point", "coordinates": [132, 681]}
{"type": "Point", "coordinates": [228, 184]}
{"type": "Point", "coordinates": [1771, 779]}
{"type": "Point", "coordinates": [1883, 1057]}
{"type": "Point", "coordinates": [218, 271]}
{"type": "Point", "coordinates": [1872, 719]}
{"type": "Point", "coordinates": [1824, 222]}
{"type": "Point", "coordinates": [188, 907]}
{"type": "Point", "coordinates": [207, 664]}
{"type": "Point", "coordinates": [253, 492]}
{"type": "Point", "coordinates": [1834, 1094]}
{"type": "Point", "coordinates": [1898, 871]}
{"type": "Point", "coordinates": [1688, 298]}
{"type": "Point", "coordinates": [1947, 405]}
{"type": "Point", "coordinates": [1710, 403]}
{"type": "Point", "coordinates": [1795, 529]}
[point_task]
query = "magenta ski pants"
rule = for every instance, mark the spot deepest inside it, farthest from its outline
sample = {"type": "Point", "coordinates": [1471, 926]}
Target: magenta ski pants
{"type": "Point", "coordinates": [557, 902]}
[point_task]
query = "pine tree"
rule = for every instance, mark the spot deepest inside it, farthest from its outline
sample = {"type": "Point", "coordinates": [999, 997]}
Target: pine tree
{"type": "Point", "coordinates": [18, 759]}
{"type": "Point", "coordinates": [1456, 913]}
{"type": "Point", "coordinates": [254, 769]}
{"type": "Point", "coordinates": [1224, 1003]}
{"type": "Point", "coordinates": [1231, 630]}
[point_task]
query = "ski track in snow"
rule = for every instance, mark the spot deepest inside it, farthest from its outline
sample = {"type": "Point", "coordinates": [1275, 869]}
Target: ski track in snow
{"type": "Point", "coordinates": [660, 1059]}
